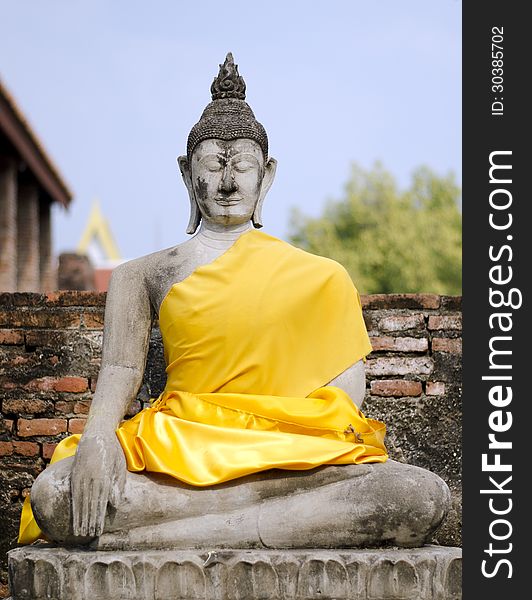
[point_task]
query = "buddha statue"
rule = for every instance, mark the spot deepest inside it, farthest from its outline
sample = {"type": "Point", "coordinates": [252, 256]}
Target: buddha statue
{"type": "Point", "coordinates": [258, 440]}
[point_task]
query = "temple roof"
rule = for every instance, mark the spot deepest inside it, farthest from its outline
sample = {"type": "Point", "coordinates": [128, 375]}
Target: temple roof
{"type": "Point", "coordinates": [97, 240]}
{"type": "Point", "coordinates": [15, 127]}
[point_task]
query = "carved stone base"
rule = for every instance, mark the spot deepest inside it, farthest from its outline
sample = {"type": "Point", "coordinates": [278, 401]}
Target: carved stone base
{"type": "Point", "coordinates": [43, 572]}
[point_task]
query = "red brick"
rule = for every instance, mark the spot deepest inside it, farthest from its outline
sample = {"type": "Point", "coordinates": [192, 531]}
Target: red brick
{"type": "Point", "coordinates": [51, 384]}
{"type": "Point", "coordinates": [71, 384]}
{"type": "Point", "coordinates": [93, 320]}
{"type": "Point", "coordinates": [48, 450]}
{"type": "Point", "coordinates": [75, 298]}
{"type": "Point", "coordinates": [411, 301]}
{"type": "Point", "coordinates": [399, 344]}
{"type": "Point", "coordinates": [29, 427]}
{"type": "Point", "coordinates": [42, 384]}
{"type": "Point", "coordinates": [64, 408]}
{"type": "Point", "coordinates": [26, 448]}
{"type": "Point", "coordinates": [22, 299]}
{"type": "Point", "coordinates": [404, 365]}
{"type": "Point", "coordinates": [396, 387]}
{"type": "Point", "coordinates": [453, 345]}
{"type": "Point", "coordinates": [33, 406]}
{"type": "Point", "coordinates": [402, 322]}
{"type": "Point", "coordinates": [11, 337]}
{"type": "Point", "coordinates": [7, 384]}
{"type": "Point", "coordinates": [43, 318]}
{"type": "Point", "coordinates": [82, 407]}
{"type": "Point", "coordinates": [438, 322]}
{"type": "Point", "coordinates": [94, 381]}
{"type": "Point", "coordinates": [46, 337]}
{"type": "Point", "coordinates": [6, 448]}
{"type": "Point", "coordinates": [435, 388]}
{"type": "Point", "coordinates": [76, 425]}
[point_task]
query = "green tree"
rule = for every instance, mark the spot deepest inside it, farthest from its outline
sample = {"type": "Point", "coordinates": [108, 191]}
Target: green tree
{"type": "Point", "coordinates": [390, 241]}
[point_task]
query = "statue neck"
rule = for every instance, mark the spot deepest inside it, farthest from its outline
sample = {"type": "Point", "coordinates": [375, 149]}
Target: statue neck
{"type": "Point", "coordinates": [214, 235]}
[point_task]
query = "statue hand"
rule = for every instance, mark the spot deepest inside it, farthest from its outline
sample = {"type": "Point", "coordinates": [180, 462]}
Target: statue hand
{"type": "Point", "coordinates": [99, 469]}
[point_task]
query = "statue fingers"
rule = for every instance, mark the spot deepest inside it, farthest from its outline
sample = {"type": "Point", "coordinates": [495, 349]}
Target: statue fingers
{"type": "Point", "coordinates": [88, 515]}
{"type": "Point", "coordinates": [119, 479]}
{"type": "Point", "coordinates": [95, 494]}
{"type": "Point", "coordinates": [76, 495]}
{"type": "Point", "coordinates": [85, 503]}
{"type": "Point", "coordinates": [101, 510]}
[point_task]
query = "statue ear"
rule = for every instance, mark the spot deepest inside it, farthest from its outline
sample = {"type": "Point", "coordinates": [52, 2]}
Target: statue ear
{"type": "Point", "coordinates": [195, 215]}
{"type": "Point", "coordinates": [267, 180]}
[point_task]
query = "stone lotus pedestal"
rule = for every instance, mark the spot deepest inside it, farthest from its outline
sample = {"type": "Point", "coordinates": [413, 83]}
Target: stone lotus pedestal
{"type": "Point", "coordinates": [43, 571]}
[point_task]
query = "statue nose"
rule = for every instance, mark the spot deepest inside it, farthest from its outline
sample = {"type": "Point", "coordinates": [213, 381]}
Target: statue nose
{"type": "Point", "coordinates": [228, 184]}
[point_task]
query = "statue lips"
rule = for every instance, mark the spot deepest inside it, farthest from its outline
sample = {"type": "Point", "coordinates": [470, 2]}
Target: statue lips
{"type": "Point", "coordinates": [224, 201]}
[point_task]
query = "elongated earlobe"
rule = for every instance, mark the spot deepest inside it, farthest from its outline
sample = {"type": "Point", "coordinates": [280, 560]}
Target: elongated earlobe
{"type": "Point", "coordinates": [195, 214]}
{"type": "Point", "coordinates": [195, 217]}
{"type": "Point", "coordinates": [267, 180]}
{"type": "Point", "coordinates": [256, 217]}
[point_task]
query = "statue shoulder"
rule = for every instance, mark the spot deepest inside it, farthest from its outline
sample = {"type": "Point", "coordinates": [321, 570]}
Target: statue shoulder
{"type": "Point", "coordinates": [151, 275]}
{"type": "Point", "coordinates": [128, 276]}
{"type": "Point", "coordinates": [151, 265]}
{"type": "Point", "coordinates": [323, 263]}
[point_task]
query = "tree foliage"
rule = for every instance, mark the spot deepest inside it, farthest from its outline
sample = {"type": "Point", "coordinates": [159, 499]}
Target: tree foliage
{"type": "Point", "coordinates": [390, 241]}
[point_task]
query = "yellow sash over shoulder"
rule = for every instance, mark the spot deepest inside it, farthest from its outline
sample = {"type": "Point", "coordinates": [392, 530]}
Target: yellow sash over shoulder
{"type": "Point", "coordinates": [251, 341]}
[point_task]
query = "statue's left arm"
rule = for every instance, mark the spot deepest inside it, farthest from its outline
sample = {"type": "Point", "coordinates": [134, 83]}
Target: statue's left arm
{"type": "Point", "coordinates": [99, 466]}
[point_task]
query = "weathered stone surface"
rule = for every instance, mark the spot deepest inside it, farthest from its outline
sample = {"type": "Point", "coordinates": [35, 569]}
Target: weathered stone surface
{"type": "Point", "coordinates": [402, 322]}
{"type": "Point", "coordinates": [348, 506]}
{"type": "Point", "coordinates": [435, 388]}
{"type": "Point", "coordinates": [396, 387]}
{"type": "Point", "coordinates": [447, 345]}
{"type": "Point", "coordinates": [44, 572]}
{"type": "Point", "coordinates": [452, 321]}
{"type": "Point", "coordinates": [399, 344]}
{"type": "Point", "coordinates": [427, 432]}
{"type": "Point", "coordinates": [384, 366]}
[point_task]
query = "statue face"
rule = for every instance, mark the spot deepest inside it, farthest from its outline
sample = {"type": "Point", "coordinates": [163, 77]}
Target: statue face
{"type": "Point", "coordinates": [226, 178]}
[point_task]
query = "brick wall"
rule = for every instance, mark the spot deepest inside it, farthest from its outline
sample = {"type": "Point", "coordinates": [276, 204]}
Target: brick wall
{"type": "Point", "coordinates": [50, 354]}
{"type": "Point", "coordinates": [414, 385]}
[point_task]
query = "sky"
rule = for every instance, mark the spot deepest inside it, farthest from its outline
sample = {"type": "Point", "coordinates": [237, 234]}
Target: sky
{"type": "Point", "coordinates": [112, 88]}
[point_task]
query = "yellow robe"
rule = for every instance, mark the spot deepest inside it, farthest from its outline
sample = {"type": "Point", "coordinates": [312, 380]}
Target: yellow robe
{"type": "Point", "coordinates": [251, 341]}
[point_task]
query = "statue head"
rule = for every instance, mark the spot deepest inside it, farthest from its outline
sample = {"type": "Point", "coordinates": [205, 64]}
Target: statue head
{"type": "Point", "coordinates": [227, 170]}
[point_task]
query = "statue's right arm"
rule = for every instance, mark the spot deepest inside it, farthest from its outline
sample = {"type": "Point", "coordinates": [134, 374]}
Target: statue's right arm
{"type": "Point", "coordinates": [353, 382]}
{"type": "Point", "coordinates": [99, 465]}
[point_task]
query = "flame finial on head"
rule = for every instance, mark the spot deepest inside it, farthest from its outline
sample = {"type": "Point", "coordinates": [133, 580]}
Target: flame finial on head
{"type": "Point", "coordinates": [228, 83]}
{"type": "Point", "coordinates": [228, 116]}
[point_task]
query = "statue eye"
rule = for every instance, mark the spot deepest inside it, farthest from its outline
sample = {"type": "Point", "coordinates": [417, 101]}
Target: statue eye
{"type": "Point", "coordinates": [213, 166]}
{"type": "Point", "coordinates": [243, 165]}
